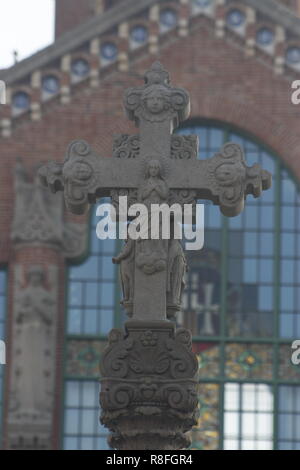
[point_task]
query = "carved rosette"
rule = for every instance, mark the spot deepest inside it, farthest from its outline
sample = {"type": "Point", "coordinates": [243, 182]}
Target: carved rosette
{"type": "Point", "coordinates": [148, 387]}
{"type": "Point", "coordinates": [230, 179]}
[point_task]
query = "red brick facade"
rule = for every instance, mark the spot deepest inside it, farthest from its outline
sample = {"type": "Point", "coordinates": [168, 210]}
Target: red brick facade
{"type": "Point", "coordinates": [71, 13]}
{"type": "Point", "coordinates": [225, 84]}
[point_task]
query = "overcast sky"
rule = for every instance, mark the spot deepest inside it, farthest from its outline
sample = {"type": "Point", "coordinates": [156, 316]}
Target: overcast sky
{"type": "Point", "coordinates": [26, 26]}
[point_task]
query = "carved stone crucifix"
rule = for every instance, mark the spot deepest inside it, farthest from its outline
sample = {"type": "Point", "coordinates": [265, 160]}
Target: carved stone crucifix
{"type": "Point", "coordinates": [149, 372]}
{"type": "Point", "coordinates": [179, 177]}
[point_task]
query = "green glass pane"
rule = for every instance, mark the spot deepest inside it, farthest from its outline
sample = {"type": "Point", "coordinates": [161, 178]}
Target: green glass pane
{"type": "Point", "coordinates": [205, 436]}
{"type": "Point", "coordinates": [249, 361]}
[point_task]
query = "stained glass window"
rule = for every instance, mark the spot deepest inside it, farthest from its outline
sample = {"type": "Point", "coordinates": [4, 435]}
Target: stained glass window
{"type": "Point", "coordinates": [91, 290]}
{"type": "Point", "coordinates": [241, 302]}
{"type": "Point", "coordinates": [92, 311]}
{"type": "Point", "coordinates": [248, 417]}
{"type": "Point", "coordinates": [82, 430]}
{"type": "Point", "coordinates": [289, 417]}
{"type": "Point", "coordinates": [2, 336]}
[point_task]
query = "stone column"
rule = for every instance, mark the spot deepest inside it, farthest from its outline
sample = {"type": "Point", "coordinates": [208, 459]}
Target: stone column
{"type": "Point", "coordinates": [41, 241]}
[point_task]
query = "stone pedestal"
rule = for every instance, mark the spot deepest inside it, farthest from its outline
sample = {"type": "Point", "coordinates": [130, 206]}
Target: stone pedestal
{"type": "Point", "coordinates": [148, 387]}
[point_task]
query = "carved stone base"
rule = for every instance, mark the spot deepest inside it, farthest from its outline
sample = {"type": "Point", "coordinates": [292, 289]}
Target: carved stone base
{"type": "Point", "coordinates": [148, 387]}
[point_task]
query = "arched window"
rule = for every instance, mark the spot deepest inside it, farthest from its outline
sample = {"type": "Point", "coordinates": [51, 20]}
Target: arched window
{"type": "Point", "coordinates": [242, 303]}
{"type": "Point", "coordinates": [92, 311]}
{"type": "Point", "coordinates": [3, 276]}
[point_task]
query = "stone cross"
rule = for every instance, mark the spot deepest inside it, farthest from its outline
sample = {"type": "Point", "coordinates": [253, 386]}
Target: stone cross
{"type": "Point", "coordinates": [155, 167]}
{"type": "Point", "coordinates": [148, 370]}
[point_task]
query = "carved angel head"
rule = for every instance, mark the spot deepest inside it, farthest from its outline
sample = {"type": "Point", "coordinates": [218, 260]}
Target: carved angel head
{"type": "Point", "coordinates": [79, 172]}
{"type": "Point", "coordinates": [156, 99]}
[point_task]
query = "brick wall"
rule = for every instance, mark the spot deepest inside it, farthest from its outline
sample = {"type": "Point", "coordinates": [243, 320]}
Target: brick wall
{"type": "Point", "coordinates": [224, 85]}
{"type": "Point", "coordinates": [71, 13]}
{"type": "Point", "coordinates": [292, 4]}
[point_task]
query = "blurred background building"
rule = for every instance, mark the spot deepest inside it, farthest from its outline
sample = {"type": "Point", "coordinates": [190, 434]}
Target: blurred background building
{"type": "Point", "coordinates": [59, 294]}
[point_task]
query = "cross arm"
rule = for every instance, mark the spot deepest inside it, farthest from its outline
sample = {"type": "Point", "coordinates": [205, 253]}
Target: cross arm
{"type": "Point", "coordinates": [225, 179]}
{"type": "Point", "coordinates": [84, 176]}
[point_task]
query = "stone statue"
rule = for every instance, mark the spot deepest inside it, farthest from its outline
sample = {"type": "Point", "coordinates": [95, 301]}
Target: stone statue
{"type": "Point", "coordinates": [177, 267]}
{"type": "Point", "coordinates": [151, 254]}
{"type": "Point", "coordinates": [31, 399]}
{"type": "Point", "coordinates": [154, 190]}
{"type": "Point", "coordinates": [126, 260]}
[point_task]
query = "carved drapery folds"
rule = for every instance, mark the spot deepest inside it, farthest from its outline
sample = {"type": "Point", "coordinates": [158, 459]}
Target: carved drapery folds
{"type": "Point", "coordinates": [173, 263]}
{"type": "Point", "coordinates": [148, 386]}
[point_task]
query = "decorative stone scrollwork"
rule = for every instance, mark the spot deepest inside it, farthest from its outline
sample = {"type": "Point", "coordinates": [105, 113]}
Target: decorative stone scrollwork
{"type": "Point", "coordinates": [149, 372]}
{"type": "Point", "coordinates": [77, 176]}
{"type": "Point", "coordinates": [184, 147]}
{"type": "Point", "coordinates": [126, 146]}
{"type": "Point", "coordinates": [125, 358]}
{"type": "Point", "coordinates": [182, 196]}
{"type": "Point", "coordinates": [232, 180]}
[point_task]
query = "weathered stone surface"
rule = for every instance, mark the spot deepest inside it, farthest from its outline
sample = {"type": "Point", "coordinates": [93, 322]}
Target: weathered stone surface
{"type": "Point", "coordinates": [148, 386]}
{"type": "Point", "coordinates": [148, 393]}
{"type": "Point", "coordinates": [180, 177]}
{"type": "Point", "coordinates": [34, 328]}
{"type": "Point", "coordinates": [225, 179]}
